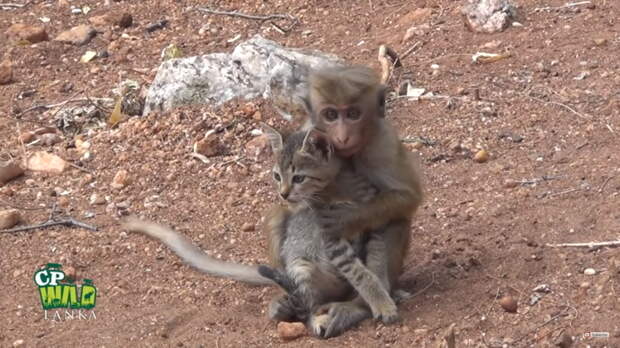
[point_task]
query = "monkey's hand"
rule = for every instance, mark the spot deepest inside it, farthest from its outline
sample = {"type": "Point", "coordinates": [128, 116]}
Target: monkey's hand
{"type": "Point", "coordinates": [362, 190]}
{"type": "Point", "coordinates": [334, 219]}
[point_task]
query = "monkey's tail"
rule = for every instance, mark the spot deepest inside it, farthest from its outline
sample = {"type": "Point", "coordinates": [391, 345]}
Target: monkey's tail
{"type": "Point", "coordinates": [194, 256]}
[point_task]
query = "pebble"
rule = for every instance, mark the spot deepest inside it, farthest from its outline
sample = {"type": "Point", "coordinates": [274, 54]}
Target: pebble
{"type": "Point", "coordinates": [258, 147]}
{"type": "Point", "coordinates": [27, 137]}
{"type": "Point", "coordinates": [589, 271]}
{"type": "Point", "coordinates": [121, 179]}
{"type": "Point", "coordinates": [18, 343]}
{"type": "Point", "coordinates": [248, 227]}
{"type": "Point", "coordinates": [30, 33]}
{"type": "Point", "coordinates": [46, 162]}
{"type": "Point", "coordinates": [9, 218]}
{"type": "Point", "coordinates": [80, 35]}
{"type": "Point", "coordinates": [585, 285]}
{"type": "Point", "coordinates": [209, 145]}
{"type": "Point", "coordinates": [49, 139]}
{"type": "Point", "coordinates": [481, 156]}
{"type": "Point", "coordinates": [509, 304]}
{"type": "Point", "coordinates": [291, 331]}
{"type": "Point", "coordinates": [9, 171]}
{"type": "Point", "coordinates": [97, 200]}
{"type": "Point", "coordinates": [70, 273]}
{"type": "Point", "coordinates": [6, 72]}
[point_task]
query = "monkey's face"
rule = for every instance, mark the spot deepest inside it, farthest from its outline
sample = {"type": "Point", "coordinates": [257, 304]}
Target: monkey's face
{"type": "Point", "coordinates": [345, 127]}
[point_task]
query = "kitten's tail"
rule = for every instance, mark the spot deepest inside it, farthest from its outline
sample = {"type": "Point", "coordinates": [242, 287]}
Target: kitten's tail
{"type": "Point", "coordinates": [194, 256]}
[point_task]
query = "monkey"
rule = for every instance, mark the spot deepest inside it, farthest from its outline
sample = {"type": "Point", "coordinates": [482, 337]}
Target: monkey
{"type": "Point", "coordinates": [348, 103]}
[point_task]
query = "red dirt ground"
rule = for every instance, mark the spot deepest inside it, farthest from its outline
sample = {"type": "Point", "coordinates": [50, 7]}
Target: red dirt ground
{"type": "Point", "coordinates": [477, 238]}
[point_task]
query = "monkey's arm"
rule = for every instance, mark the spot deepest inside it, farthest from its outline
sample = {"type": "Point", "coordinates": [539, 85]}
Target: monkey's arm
{"type": "Point", "coordinates": [274, 227]}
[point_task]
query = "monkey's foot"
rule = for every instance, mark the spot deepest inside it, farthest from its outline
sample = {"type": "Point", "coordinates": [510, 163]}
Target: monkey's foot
{"type": "Point", "coordinates": [340, 317]}
{"type": "Point", "coordinates": [400, 295]}
{"type": "Point", "coordinates": [281, 309]}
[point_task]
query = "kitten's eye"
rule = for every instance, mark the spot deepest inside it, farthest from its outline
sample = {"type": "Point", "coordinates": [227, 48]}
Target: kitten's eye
{"type": "Point", "coordinates": [277, 176]}
{"type": "Point", "coordinates": [330, 114]}
{"type": "Point", "coordinates": [354, 114]}
{"type": "Point", "coordinates": [298, 179]}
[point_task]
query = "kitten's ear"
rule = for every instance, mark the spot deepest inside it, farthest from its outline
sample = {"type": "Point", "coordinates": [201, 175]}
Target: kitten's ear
{"type": "Point", "coordinates": [316, 143]}
{"type": "Point", "coordinates": [275, 138]}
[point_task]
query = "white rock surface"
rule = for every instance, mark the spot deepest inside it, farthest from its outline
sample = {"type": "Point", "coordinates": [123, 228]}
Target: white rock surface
{"type": "Point", "coordinates": [488, 16]}
{"type": "Point", "coordinates": [256, 68]}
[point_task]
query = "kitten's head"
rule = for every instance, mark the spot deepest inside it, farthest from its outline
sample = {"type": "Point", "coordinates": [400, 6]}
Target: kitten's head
{"type": "Point", "coordinates": [305, 163]}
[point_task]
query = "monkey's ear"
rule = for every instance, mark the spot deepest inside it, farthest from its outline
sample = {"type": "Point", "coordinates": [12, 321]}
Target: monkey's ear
{"type": "Point", "coordinates": [381, 92]}
{"type": "Point", "coordinates": [275, 138]}
{"type": "Point", "coordinates": [316, 144]}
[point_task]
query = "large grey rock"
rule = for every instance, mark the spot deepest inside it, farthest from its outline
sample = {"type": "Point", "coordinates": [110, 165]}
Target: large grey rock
{"type": "Point", "coordinates": [488, 16]}
{"type": "Point", "coordinates": [256, 68]}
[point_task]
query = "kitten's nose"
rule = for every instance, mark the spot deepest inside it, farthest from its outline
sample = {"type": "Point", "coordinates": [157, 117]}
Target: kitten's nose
{"type": "Point", "coordinates": [284, 194]}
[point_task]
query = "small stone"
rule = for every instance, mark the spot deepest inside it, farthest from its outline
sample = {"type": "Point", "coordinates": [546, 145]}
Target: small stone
{"type": "Point", "coordinates": [63, 202]}
{"type": "Point", "coordinates": [258, 147]}
{"type": "Point", "coordinates": [80, 35]}
{"type": "Point", "coordinates": [30, 33]}
{"type": "Point", "coordinates": [509, 304]}
{"type": "Point", "coordinates": [585, 285]}
{"type": "Point", "coordinates": [46, 162]}
{"type": "Point", "coordinates": [564, 340]}
{"type": "Point", "coordinates": [26, 137]}
{"type": "Point", "coordinates": [125, 20]}
{"type": "Point", "coordinates": [509, 183]}
{"type": "Point", "coordinates": [44, 130]}
{"type": "Point", "coordinates": [121, 179]}
{"type": "Point", "coordinates": [291, 331]}
{"type": "Point", "coordinates": [18, 343]}
{"type": "Point", "coordinates": [70, 274]}
{"type": "Point", "coordinates": [600, 41]}
{"type": "Point", "coordinates": [209, 145]}
{"type": "Point", "coordinates": [6, 72]}
{"type": "Point", "coordinates": [87, 179]}
{"type": "Point", "coordinates": [417, 145]}
{"type": "Point", "coordinates": [97, 200]}
{"type": "Point", "coordinates": [420, 332]}
{"type": "Point", "coordinates": [9, 218]}
{"type": "Point", "coordinates": [589, 271]}
{"type": "Point", "coordinates": [9, 171]}
{"type": "Point", "coordinates": [248, 227]}
{"type": "Point", "coordinates": [49, 139]}
{"type": "Point", "coordinates": [481, 156]}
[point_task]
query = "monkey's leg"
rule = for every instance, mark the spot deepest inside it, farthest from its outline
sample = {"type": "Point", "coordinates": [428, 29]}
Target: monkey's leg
{"type": "Point", "coordinates": [282, 308]}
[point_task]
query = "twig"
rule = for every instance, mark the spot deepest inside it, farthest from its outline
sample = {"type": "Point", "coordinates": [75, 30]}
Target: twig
{"type": "Point", "coordinates": [201, 157]}
{"type": "Point", "coordinates": [559, 104]}
{"type": "Point", "coordinates": [565, 192]}
{"type": "Point", "coordinates": [65, 222]}
{"type": "Point", "coordinates": [600, 190]}
{"type": "Point", "coordinates": [19, 207]}
{"type": "Point", "coordinates": [567, 5]}
{"type": "Point", "coordinates": [561, 314]}
{"type": "Point", "coordinates": [425, 288]}
{"type": "Point", "coordinates": [612, 243]}
{"type": "Point", "coordinates": [247, 16]}
{"type": "Point", "coordinates": [50, 106]}
{"type": "Point", "coordinates": [80, 168]}
{"type": "Point", "coordinates": [410, 50]}
{"type": "Point", "coordinates": [13, 5]}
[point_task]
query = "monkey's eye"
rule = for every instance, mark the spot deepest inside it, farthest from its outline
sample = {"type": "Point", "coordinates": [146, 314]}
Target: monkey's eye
{"type": "Point", "coordinates": [277, 176]}
{"type": "Point", "coordinates": [330, 114]}
{"type": "Point", "coordinates": [298, 179]}
{"type": "Point", "coordinates": [354, 114]}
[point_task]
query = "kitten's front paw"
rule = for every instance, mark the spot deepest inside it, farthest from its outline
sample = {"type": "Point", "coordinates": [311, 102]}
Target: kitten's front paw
{"type": "Point", "coordinates": [387, 313]}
